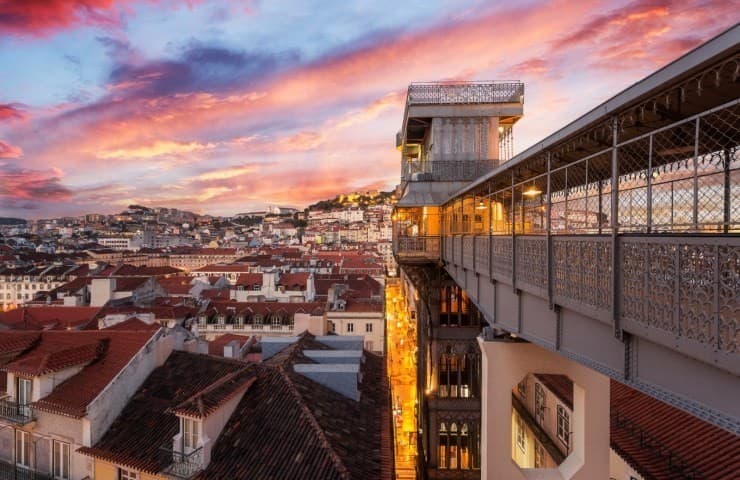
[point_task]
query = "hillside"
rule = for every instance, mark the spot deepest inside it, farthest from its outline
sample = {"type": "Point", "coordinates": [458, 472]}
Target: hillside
{"type": "Point", "coordinates": [362, 200]}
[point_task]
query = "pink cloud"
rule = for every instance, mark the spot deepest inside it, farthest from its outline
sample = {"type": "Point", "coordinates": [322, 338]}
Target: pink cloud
{"type": "Point", "coordinates": [11, 112]}
{"type": "Point", "coordinates": [9, 151]}
{"type": "Point", "coordinates": [26, 188]}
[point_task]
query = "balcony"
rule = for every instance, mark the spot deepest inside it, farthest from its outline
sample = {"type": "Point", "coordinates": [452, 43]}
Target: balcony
{"type": "Point", "coordinates": [445, 170]}
{"type": "Point", "coordinates": [15, 413]}
{"type": "Point", "coordinates": [13, 472]}
{"type": "Point", "coordinates": [184, 465]}
{"type": "Point", "coordinates": [417, 249]}
{"type": "Point", "coordinates": [463, 93]}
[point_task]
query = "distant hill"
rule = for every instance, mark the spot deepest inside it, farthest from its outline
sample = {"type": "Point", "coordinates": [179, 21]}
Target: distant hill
{"type": "Point", "coordinates": [362, 200]}
{"type": "Point", "coordinates": [12, 221]}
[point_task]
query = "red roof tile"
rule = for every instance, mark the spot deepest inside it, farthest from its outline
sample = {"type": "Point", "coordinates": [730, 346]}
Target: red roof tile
{"type": "Point", "coordinates": [50, 358]}
{"type": "Point", "coordinates": [655, 438]}
{"type": "Point", "coordinates": [72, 396]}
{"type": "Point", "coordinates": [45, 317]}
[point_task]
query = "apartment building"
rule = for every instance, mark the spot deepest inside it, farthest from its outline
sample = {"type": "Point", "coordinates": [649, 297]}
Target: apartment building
{"type": "Point", "coordinates": [61, 390]}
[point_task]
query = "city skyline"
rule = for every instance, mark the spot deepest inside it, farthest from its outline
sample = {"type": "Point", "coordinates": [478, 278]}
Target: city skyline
{"type": "Point", "coordinates": [111, 103]}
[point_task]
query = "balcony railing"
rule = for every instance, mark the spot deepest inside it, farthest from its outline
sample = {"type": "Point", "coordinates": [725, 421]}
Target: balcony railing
{"type": "Point", "coordinates": [420, 248]}
{"type": "Point", "coordinates": [445, 170]}
{"type": "Point", "coordinates": [184, 465]}
{"type": "Point", "coordinates": [13, 472]}
{"type": "Point", "coordinates": [465, 93]}
{"type": "Point", "coordinates": [14, 412]}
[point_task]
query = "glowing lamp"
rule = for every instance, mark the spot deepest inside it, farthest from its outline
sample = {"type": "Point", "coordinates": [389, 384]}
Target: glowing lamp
{"type": "Point", "coordinates": [532, 191]}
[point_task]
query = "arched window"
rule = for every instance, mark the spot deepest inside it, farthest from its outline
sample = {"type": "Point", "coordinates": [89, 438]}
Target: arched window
{"type": "Point", "coordinates": [444, 379]}
{"type": "Point", "coordinates": [454, 377]}
{"type": "Point", "coordinates": [444, 442]}
{"type": "Point", "coordinates": [453, 450]}
{"type": "Point", "coordinates": [464, 448]}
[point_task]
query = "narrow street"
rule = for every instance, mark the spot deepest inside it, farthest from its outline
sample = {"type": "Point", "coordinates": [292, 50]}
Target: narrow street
{"type": "Point", "coordinates": [401, 332]}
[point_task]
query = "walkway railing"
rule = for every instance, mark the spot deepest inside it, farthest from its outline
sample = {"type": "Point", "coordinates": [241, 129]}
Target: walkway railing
{"type": "Point", "coordinates": [423, 247]}
{"type": "Point", "coordinates": [445, 170]}
{"type": "Point", "coordinates": [679, 290]}
{"type": "Point", "coordinates": [15, 412]}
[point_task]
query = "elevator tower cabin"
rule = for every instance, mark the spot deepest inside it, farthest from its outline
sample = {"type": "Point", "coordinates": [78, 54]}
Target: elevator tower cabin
{"type": "Point", "coordinates": [452, 134]}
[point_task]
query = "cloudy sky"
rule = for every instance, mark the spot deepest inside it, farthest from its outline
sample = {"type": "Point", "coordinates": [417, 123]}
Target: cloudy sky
{"type": "Point", "coordinates": [226, 106]}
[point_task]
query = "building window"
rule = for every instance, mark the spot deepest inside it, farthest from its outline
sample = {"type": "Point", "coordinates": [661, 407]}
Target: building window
{"type": "Point", "coordinates": [60, 460]}
{"type": "Point", "coordinates": [190, 431]}
{"type": "Point", "coordinates": [444, 441]}
{"type": "Point", "coordinates": [521, 439]}
{"type": "Point", "coordinates": [350, 327]}
{"type": "Point", "coordinates": [563, 426]}
{"type": "Point", "coordinates": [369, 346]}
{"type": "Point", "coordinates": [124, 474]}
{"type": "Point", "coordinates": [368, 328]}
{"type": "Point", "coordinates": [539, 403]}
{"type": "Point", "coordinates": [23, 394]}
{"type": "Point", "coordinates": [522, 389]}
{"type": "Point", "coordinates": [539, 455]}
{"type": "Point", "coordinates": [22, 448]}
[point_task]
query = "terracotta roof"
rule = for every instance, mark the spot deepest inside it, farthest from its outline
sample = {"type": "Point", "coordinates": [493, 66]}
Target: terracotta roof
{"type": "Point", "coordinates": [145, 270]}
{"type": "Point", "coordinates": [176, 285]}
{"type": "Point", "coordinates": [145, 424]}
{"type": "Point", "coordinates": [662, 442]}
{"type": "Point", "coordinates": [560, 385]}
{"type": "Point", "coordinates": [47, 317]}
{"type": "Point", "coordinates": [129, 284]}
{"type": "Point", "coordinates": [72, 396]}
{"type": "Point", "coordinates": [17, 342]}
{"type": "Point", "coordinates": [293, 279]}
{"type": "Point", "coordinates": [50, 358]}
{"type": "Point", "coordinates": [216, 346]}
{"type": "Point", "coordinates": [285, 426]}
{"type": "Point", "coordinates": [232, 267]}
{"type": "Point", "coordinates": [306, 429]}
{"type": "Point", "coordinates": [249, 279]}
{"type": "Point", "coordinates": [133, 324]}
{"type": "Point", "coordinates": [208, 400]}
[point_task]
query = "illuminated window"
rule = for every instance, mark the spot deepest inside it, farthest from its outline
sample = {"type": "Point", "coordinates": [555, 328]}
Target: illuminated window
{"type": "Point", "coordinates": [563, 426]}
{"type": "Point", "coordinates": [124, 474]}
{"type": "Point", "coordinates": [539, 455]}
{"type": "Point", "coordinates": [521, 440]}
{"type": "Point", "coordinates": [444, 440]}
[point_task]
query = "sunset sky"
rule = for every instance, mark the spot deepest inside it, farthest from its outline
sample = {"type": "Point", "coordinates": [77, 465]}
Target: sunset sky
{"type": "Point", "coordinates": [226, 106]}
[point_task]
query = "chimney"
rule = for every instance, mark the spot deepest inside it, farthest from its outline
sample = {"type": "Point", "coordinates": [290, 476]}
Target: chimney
{"type": "Point", "coordinates": [101, 290]}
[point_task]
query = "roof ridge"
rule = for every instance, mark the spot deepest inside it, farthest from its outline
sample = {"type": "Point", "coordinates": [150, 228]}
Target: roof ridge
{"type": "Point", "coordinates": [336, 459]}
{"type": "Point", "coordinates": [212, 386]}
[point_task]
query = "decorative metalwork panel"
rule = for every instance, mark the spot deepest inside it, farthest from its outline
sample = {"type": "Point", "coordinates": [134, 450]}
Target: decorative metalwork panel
{"type": "Point", "coordinates": [467, 255]}
{"type": "Point", "coordinates": [425, 247]}
{"type": "Point", "coordinates": [503, 256]}
{"type": "Point", "coordinates": [448, 248]}
{"type": "Point", "coordinates": [457, 245]}
{"type": "Point", "coordinates": [582, 270]}
{"type": "Point", "coordinates": [531, 261]}
{"type": "Point", "coordinates": [481, 253]}
{"type": "Point", "coordinates": [464, 92]}
{"type": "Point", "coordinates": [446, 170]}
{"type": "Point", "coordinates": [697, 292]}
{"type": "Point", "coordinates": [729, 298]}
{"type": "Point", "coordinates": [688, 287]}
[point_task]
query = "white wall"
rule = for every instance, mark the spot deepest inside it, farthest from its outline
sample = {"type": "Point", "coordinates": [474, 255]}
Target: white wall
{"type": "Point", "coordinates": [504, 364]}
